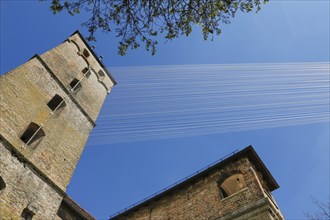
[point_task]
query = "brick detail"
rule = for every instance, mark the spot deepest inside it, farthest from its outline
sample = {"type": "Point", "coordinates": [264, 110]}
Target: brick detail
{"type": "Point", "coordinates": [201, 199]}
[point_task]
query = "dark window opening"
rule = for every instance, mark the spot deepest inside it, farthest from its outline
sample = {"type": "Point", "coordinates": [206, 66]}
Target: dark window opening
{"type": "Point", "coordinates": [101, 74]}
{"type": "Point", "coordinates": [75, 85]}
{"type": "Point", "coordinates": [86, 71]}
{"type": "Point", "coordinates": [2, 184]}
{"type": "Point", "coordinates": [223, 192]}
{"type": "Point", "coordinates": [32, 133]}
{"type": "Point", "coordinates": [86, 53]}
{"type": "Point", "coordinates": [27, 214]}
{"type": "Point", "coordinates": [56, 103]}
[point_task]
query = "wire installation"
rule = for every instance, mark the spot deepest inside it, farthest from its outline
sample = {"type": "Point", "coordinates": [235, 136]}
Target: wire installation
{"type": "Point", "coordinates": [162, 102]}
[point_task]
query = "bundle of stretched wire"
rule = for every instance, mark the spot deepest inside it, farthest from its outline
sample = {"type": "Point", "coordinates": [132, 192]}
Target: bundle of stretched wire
{"type": "Point", "coordinates": [161, 102]}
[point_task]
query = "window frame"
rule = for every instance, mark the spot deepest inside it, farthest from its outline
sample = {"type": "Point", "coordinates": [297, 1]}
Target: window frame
{"type": "Point", "coordinates": [56, 103]}
{"type": "Point", "coordinates": [224, 178]}
{"type": "Point", "coordinates": [75, 85]}
{"type": "Point", "coordinates": [32, 133]}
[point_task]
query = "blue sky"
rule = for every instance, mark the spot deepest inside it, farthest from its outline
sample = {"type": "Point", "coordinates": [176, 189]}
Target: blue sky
{"type": "Point", "coordinates": [111, 177]}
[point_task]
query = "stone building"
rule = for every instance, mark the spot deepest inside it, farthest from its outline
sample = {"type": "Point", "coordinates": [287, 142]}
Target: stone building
{"type": "Point", "coordinates": [48, 108]}
{"type": "Point", "coordinates": [237, 187]}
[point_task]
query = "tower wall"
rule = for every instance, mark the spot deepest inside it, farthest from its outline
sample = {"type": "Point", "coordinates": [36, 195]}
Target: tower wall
{"type": "Point", "coordinates": [27, 90]}
{"type": "Point", "coordinates": [25, 189]}
{"type": "Point", "coordinates": [48, 108]}
{"type": "Point", "coordinates": [70, 56]}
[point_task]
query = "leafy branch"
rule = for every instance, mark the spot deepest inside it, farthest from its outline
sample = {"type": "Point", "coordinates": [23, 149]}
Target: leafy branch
{"type": "Point", "coordinates": [141, 21]}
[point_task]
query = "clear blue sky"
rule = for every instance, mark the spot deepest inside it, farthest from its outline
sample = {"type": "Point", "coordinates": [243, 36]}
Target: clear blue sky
{"type": "Point", "coordinates": [109, 178]}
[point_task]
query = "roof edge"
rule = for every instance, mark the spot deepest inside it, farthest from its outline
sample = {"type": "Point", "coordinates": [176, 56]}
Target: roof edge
{"type": "Point", "coordinates": [81, 211]}
{"type": "Point", "coordinates": [247, 151]}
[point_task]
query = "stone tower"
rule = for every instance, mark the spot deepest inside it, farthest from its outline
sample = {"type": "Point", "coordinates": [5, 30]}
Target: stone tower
{"type": "Point", "coordinates": [237, 187]}
{"type": "Point", "coordinates": [48, 108]}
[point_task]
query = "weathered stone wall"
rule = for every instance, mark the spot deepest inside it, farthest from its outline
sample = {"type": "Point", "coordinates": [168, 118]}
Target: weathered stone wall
{"type": "Point", "coordinates": [27, 90]}
{"type": "Point", "coordinates": [36, 174]}
{"type": "Point", "coordinates": [93, 63]}
{"type": "Point", "coordinates": [24, 189]}
{"type": "Point", "coordinates": [259, 210]}
{"type": "Point", "coordinates": [67, 63]}
{"type": "Point", "coordinates": [201, 199]}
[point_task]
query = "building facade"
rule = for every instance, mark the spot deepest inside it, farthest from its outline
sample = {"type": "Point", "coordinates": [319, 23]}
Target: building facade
{"type": "Point", "coordinates": [48, 108]}
{"type": "Point", "coordinates": [238, 187]}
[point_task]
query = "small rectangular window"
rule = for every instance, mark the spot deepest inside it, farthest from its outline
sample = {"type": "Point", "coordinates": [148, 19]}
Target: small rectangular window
{"type": "Point", "coordinates": [56, 103]}
{"type": "Point", "coordinates": [86, 71]}
{"type": "Point", "coordinates": [86, 53]}
{"type": "Point", "coordinates": [32, 133]}
{"type": "Point", "coordinates": [75, 85]}
{"type": "Point", "coordinates": [101, 75]}
{"type": "Point", "coordinates": [27, 214]}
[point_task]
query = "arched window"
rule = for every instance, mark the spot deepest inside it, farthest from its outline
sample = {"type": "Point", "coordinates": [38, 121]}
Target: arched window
{"type": "Point", "coordinates": [56, 103]}
{"type": "Point", "coordinates": [32, 133]}
{"type": "Point", "coordinates": [232, 184]}
{"type": "Point", "coordinates": [75, 85]}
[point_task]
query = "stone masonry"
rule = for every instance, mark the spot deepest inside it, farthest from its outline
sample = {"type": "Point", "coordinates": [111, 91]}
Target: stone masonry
{"type": "Point", "coordinates": [41, 144]}
{"type": "Point", "coordinates": [48, 108]}
{"type": "Point", "coordinates": [199, 197]}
